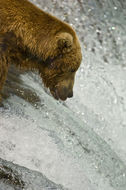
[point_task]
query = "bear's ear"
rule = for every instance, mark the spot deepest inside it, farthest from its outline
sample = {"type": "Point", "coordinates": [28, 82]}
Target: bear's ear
{"type": "Point", "coordinates": [64, 41]}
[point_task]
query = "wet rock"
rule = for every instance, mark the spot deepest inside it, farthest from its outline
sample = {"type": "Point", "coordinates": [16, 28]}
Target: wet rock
{"type": "Point", "coordinates": [14, 177]}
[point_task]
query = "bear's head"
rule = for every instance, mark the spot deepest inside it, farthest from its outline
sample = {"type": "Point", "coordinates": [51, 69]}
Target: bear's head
{"type": "Point", "coordinates": [60, 65]}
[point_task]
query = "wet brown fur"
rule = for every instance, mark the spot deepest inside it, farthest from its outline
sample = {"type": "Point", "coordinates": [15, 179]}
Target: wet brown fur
{"type": "Point", "coordinates": [35, 40]}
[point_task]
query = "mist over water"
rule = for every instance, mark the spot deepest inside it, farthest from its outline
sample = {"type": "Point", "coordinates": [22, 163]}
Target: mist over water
{"type": "Point", "coordinates": [80, 143]}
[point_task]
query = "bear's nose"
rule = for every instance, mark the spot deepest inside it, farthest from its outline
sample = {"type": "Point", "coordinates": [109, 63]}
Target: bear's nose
{"type": "Point", "coordinates": [70, 95]}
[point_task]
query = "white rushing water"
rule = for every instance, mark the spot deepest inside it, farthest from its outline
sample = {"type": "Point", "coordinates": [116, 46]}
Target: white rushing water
{"type": "Point", "coordinates": [80, 144]}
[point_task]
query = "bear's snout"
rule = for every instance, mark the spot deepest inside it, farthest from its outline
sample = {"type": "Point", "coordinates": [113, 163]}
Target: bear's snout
{"type": "Point", "coordinates": [62, 93]}
{"type": "Point", "coordinates": [64, 88]}
{"type": "Point", "coordinates": [70, 95]}
{"type": "Point", "coordinates": [65, 93]}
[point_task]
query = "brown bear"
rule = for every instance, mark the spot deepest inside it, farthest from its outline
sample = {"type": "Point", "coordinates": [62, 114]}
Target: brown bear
{"type": "Point", "coordinates": [35, 40]}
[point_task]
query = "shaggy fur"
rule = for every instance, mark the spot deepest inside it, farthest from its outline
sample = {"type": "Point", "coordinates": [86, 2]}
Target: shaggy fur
{"type": "Point", "coordinates": [35, 40]}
